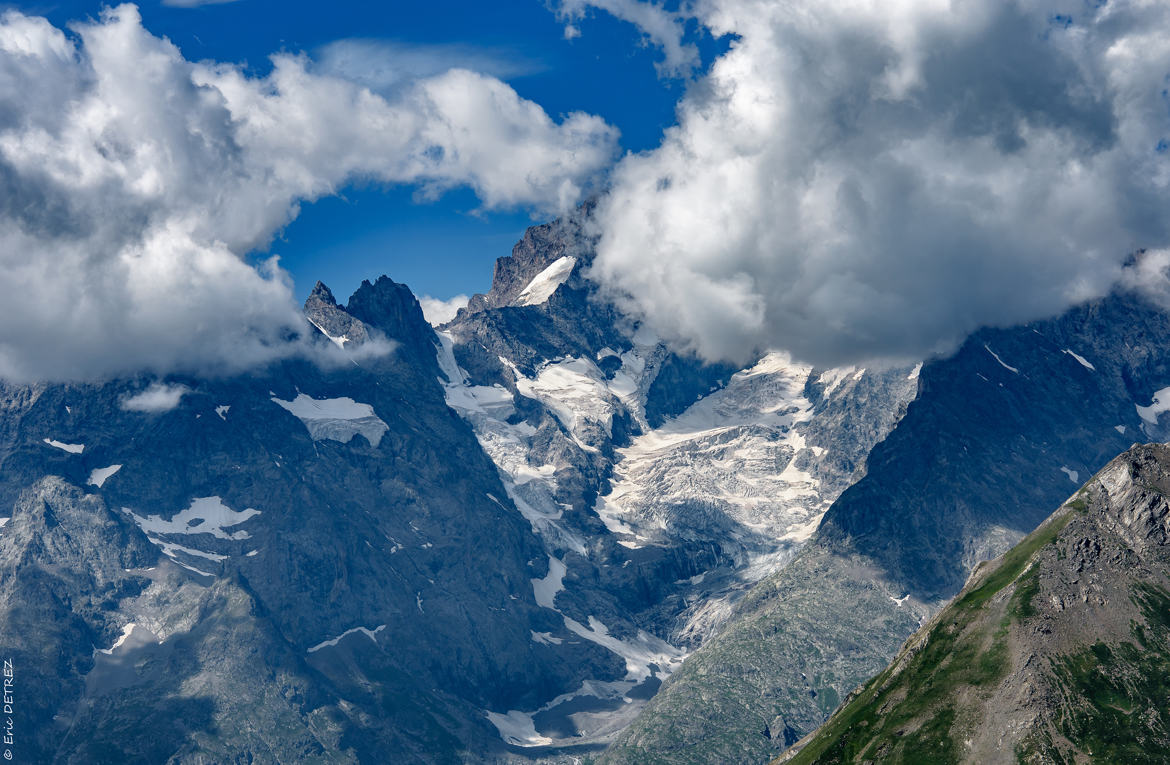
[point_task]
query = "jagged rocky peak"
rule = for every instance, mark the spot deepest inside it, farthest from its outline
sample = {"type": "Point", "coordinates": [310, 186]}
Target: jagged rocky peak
{"type": "Point", "coordinates": [382, 309]}
{"type": "Point", "coordinates": [321, 295]}
{"type": "Point", "coordinates": [334, 322]}
{"type": "Point", "coordinates": [562, 246]}
{"type": "Point", "coordinates": [1058, 651]}
{"type": "Point", "coordinates": [393, 309]}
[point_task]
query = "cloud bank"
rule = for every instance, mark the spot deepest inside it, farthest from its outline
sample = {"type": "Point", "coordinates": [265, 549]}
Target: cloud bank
{"type": "Point", "coordinates": [133, 182]}
{"type": "Point", "coordinates": [874, 179]}
{"type": "Point", "coordinates": [437, 311]}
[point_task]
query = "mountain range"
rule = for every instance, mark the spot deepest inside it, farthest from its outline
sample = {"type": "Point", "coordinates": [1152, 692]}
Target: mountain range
{"type": "Point", "coordinates": [533, 533]}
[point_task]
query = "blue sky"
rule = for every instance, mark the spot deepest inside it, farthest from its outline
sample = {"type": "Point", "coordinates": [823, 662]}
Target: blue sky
{"type": "Point", "coordinates": [445, 247]}
{"type": "Point", "coordinates": [848, 182]}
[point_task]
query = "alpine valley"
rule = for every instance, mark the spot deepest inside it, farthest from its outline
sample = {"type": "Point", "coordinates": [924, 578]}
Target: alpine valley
{"type": "Point", "coordinates": [537, 534]}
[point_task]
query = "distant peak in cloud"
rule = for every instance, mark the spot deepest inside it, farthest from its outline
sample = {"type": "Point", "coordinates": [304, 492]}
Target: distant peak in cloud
{"type": "Point", "coordinates": [133, 182]}
{"type": "Point", "coordinates": [874, 180]}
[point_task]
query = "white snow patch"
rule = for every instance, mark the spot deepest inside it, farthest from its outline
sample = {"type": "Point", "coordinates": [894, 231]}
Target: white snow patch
{"type": "Point", "coordinates": [336, 419]}
{"type": "Point", "coordinates": [525, 473]}
{"type": "Point", "coordinates": [338, 341]}
{"type": "Point", "coordinates": [832, 378]}
{"type": "Point", "coordinates": [1160, 404]}
{"type": "Point", "coordinates": [122, 639]}
{"type": "Point", "coordinates": [545, 638]}
{"type": "Point", "coordinates": [206, 515]}
{"type": "Point", "coordinates": [544, 284]}
{"type": "Point", "coordinates": [251, 553]}
{"type": "Point", "coordinates": [640, 652]}
{"type": "Point", "coordinates": [4, 522]}
{"type": "Point", "coordinates": [802, 532]}
{"type": "Point", "coordinates": [899, 601]}
{"type": "Point", "coordinates": [1002, 363]}
{"type": "Point", "coordinates": [467, 400]}
{"type": "Point", "coordinates": [575, 391]}
{"type": "Point", "coordinates": [1081, 359]}
{"type": "Point", "coordinates": [99, 476]}
{"type": "Point", "coordinates": [71, 448]}
{"type": "Point", "coordinates": [192, 569]}
{"type": "Point", "coordinates": [518, 729]}
{"type": "Point", "coordinates": [545, 590]}
{"type": "Point", "coordinates": [169, 549]}
{"type": "Point", "coordinates": [1120, 429]}
{"type": "Point", "coordinates": [915, 372]}
{"type": "Point", "coordinates": [156, 398]}
{"type": "Point", "coordinates": [331, 642]}
{"type": "Point", "coordinates": [1073, 475]}
{"type": "Point", "coordinates": [222, 411]}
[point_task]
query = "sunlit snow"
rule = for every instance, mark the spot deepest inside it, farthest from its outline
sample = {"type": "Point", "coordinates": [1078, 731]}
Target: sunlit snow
{"type": "Point", "coordinates": [71, 448]}
{"type": "Point", "coordinates": [372, 634]}
{"type": "Point", "coordinates": [1002, 363]}
{"type": "Point", "coordinates": [206, 515]}
{"type": "Point", "coordinates": [518, 729]}
{"type": "Point", "coordinates": [335, 419]}
{"type": "Point", "coordinates": [1161, 403]}
{"type": "Point", "coordinates": [545, 590]}
{"type": "Point", "coordinates": [544, 284]}
{"type": "Point", "coordinates": [99, 476]}
{"type": "Point", "coordinates": [338, 341]}
{"type": "Point", "coordinates": [1081, 360]}
{"type": "Point", "coordinates": [129, 628]}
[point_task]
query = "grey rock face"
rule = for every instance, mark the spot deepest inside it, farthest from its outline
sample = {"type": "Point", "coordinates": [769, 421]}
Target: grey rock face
{"type": "Point", "coordinates": [998, 435]}
{"type": "Point", "coordinates": [343, 329]}
{"type": "Point", "coordinates": [266, 541]}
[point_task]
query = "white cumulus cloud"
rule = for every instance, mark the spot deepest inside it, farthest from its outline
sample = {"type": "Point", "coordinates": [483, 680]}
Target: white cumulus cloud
{"type": "Point", "coordinates": [158, 397]}
{"type": "Point", "coordinates": [659, 25]}
{"type": "Point", "coordinates": [133, 182]}
{"type": "Point", "coordinates": [861, 179]}
{"type": "Point", "coordinates": [438, 311]}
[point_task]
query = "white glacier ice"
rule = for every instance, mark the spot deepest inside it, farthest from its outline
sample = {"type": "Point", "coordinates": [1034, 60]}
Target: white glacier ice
{"type": "Point", "coordinates": [99, 476]}
{"type": "Point", "coordinates": [544, 284]}
{"type": "Point", "coordinates": [336, 419]}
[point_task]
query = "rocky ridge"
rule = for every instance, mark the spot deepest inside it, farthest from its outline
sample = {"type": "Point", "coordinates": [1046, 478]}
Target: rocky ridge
{"type": "Point", "coordinates": [1058, 651]}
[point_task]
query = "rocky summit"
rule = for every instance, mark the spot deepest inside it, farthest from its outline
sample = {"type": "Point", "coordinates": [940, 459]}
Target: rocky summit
{"type": "Point", "coordinates": [1058, 651]}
